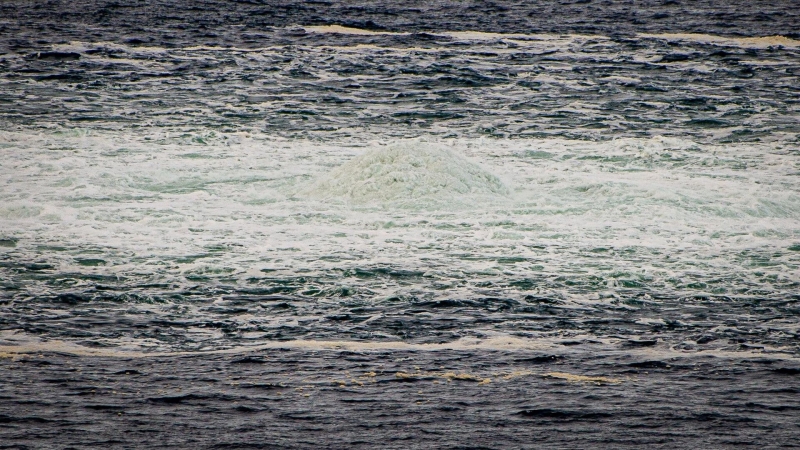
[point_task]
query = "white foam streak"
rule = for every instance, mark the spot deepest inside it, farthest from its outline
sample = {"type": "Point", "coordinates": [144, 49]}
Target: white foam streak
{"type": "Point", "coordinates": [743, 42]}
{"type": "Point", "coordinates": [20, 344]}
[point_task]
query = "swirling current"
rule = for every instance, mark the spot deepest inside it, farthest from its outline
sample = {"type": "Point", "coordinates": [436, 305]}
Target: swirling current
{"type": "Point", "coordinates": [449, 224]}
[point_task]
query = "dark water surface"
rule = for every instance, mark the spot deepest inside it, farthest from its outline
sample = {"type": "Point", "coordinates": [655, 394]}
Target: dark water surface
{"type": "Point", "coordinates": [398, 399]}
{"type": "Point", "coordinates": [573, 69]}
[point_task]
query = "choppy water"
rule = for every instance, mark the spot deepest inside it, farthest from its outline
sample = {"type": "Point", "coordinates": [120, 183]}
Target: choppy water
{"type": "Point", "coordinates": [595, 185]}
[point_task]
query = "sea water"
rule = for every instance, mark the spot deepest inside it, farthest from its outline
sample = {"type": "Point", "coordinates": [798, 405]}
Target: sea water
{"type": "Point", "coordinates": [314, 187]}
{"type": "Point", "coordinates": [374, 171]}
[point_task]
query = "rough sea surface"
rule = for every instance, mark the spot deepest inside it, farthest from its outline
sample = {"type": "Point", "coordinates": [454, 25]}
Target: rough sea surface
{"type": "Point", "coordinates": [449, 224]}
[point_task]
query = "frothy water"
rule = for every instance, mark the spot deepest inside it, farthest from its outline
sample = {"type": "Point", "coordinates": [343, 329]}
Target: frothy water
{"type": "Point", "coordinates": [411, 175]}
{"type": "Point", "coordinates": [187, 226]}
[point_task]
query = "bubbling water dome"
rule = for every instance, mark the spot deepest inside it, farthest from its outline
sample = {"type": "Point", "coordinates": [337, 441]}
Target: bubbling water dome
{"type": "Point", "coordinates": [410, 174]}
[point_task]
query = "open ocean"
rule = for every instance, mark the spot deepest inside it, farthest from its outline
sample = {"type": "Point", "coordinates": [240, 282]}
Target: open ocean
{"type": "Point", "coordinates": [411, 225]}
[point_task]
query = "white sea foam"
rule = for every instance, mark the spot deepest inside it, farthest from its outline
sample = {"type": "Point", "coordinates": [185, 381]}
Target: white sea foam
{"type": "Point", "coordinates": [459, 35]}
{"type": "Point", "coordinates": [19, 344]}
{"type": "Point", "coordinates": [659, 211]}
{"type": "Point", "coordinates": [744, 42]}
{"type": "Point", "coordinates": [411, 174]}
{"type": "Point", "coordinates": [339, 29]}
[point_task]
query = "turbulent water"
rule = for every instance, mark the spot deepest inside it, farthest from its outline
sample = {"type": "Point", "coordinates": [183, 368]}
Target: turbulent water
{"type": "Point", "coordinates": [580, 181]}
